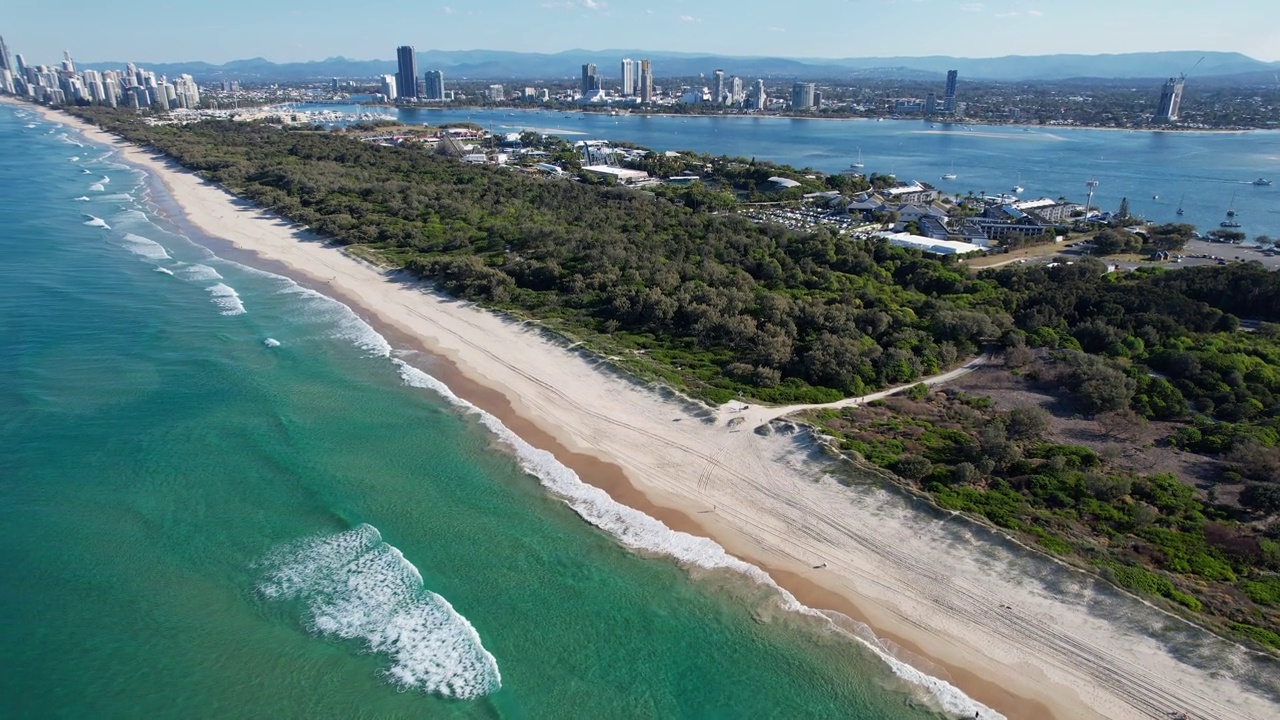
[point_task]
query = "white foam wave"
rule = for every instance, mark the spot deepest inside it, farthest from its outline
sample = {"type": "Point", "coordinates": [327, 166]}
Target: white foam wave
{"type": "Point", "coordinates": [85, 171]}
{"type": "Point", "coordinates": [198, 272]}
{"type": "Point", "coordinates": [105, 179]}
{"type": "Point", "coordinates": [82, 198]}
{"type": "Point", "coordinates": [74, 158]}
{"type": "Point", "coordinates": [355, 586]}
{"type": "Point", "coordinates": [164, 270]}
{"type": "Point", "coordinates": [271, 342]}
{"type": "Point", "coordinates": [639, 531]}
{"type": "Point", "coordinates": [30, 125]}
{"type": "Point", "coordinates": [97, 187]}
{"type": "Point", "coordinates": [226, 298]}
{"type": "Point", "coordinates": [69, 140]}
{"type": "Point", "coordinates": [144, 247]}
{"type": "Point", "coordinates": [118, 197]}
{"type": "Point", "coordinates": [346, 324]}
{"type": "Point", "coordinates": [96, 222]}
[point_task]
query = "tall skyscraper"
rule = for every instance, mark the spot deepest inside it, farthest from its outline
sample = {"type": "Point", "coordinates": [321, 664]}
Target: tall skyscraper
{"type": "Point", "coordinates": [931, 104]}
{"type": "Point", "coordinates": [407, 77]}
{"type": "Point", "coordinates": [646, 82]}
{"type": "Point", "coordinates": [758, 99]}
{"type": "Point", "coordinates": [67, 64]}
{"type": "Point", "coordinates": [628, 77]}
{"type": "Point", "coordinates": [1171, 100]}
{"type": "Point", "coordinates": [717, 88]}
{"type": "Point", "coordinates": [388, 87]}
{"type": "Point", "coordinates": [5, 62]}
{"type": "Point", "coordinates": [802, 96]}
{"type": "Point", "coordinates": [590, 81]}
{"type": "Point", "coordinates": [949, 97]}
{"type": "Point", "coordinates": [735, 90]}
{"type": "Point", "coordinates": [435, 85]}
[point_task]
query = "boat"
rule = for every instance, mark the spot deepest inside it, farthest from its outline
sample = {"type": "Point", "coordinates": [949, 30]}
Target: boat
{"type": "Point", "coordinates": [1229, 224]}
{"type": "Point", "coordinates": [1231, 209]}
{"type": "Point", "coordinates": [1262, 182]}
{"type": "Point", "coordinates": [951, 174]}
{"type": "Point", "coordinates": [858, 165]}
{"type": "Point", "coordinates": [1017, 187]}
{"type": "Point", "coordinates": [1180, 210]}
{"type": "Point", "coordinates": [1155, 197]}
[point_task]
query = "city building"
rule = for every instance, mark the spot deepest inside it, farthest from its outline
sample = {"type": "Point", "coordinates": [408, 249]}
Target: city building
{"type": "Point", "coordinates": [434, 90]}
{"type": "Point", "coordinates": [388, 87]}
{"type": "Point", "coordinates": [496, 93]}
{"type": "Point", "coordinates": [646, 82]}
{"type": "Point", "coordinates": [5, 62]}
{"type": "Point", "coordinates": [759, 101]}
{"type": "Point", "coordinates": [735, 91]}
{"type": "Point", "coordinates": [949, 98]}
{"type": "Point", "coordinates": [1171, 100]}
{"type": "Point", "coordinates": [931, 104]}
{"type": "Point", "coordinates": [717, 88]}
{"type": "Point", "coordinates": [929, 245]}
{"type": "Point", "coordinates": [407, 75]}
{"type": "Point", "coordinates": [590, 81]}
{"type": "Point", "coordinates": [628, 77]}
{"type": "Point", "coordinates": [802, 96]}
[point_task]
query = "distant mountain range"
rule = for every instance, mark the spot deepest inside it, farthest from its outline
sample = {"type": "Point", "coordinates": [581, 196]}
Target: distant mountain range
{"type": "Point", "coordinates": [503, 65]}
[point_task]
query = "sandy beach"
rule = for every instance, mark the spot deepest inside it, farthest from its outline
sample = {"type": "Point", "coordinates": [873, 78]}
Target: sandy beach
{"type": "Point", "coordinates": [1018, 633]}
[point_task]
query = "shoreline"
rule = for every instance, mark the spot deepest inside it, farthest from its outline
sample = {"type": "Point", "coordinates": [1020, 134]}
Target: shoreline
{"type": "Point", "coordinates": [850, 118]}
{"type": "Point", "coordinates": [471, 353]}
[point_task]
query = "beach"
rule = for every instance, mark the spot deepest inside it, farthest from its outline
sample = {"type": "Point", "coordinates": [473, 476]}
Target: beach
{"type": "Point", "coordinates": [1046, 642]}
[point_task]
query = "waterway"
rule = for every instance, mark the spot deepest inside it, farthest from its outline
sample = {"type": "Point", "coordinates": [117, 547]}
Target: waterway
{"type": "Point", "coordinates": [1206, 172]}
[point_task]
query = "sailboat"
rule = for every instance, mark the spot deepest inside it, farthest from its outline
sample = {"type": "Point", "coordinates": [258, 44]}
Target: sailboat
{"type": "Point", "coordinates": [858, 164]}
{"type": "Point", "coordinates": [1017, 187]}
{"type": "Point", "coordinates": [1180, 210]}
{"type": "Point", "coordinates": [1231, 213]}
{"type": "Point", "coordinates": [951, 175]}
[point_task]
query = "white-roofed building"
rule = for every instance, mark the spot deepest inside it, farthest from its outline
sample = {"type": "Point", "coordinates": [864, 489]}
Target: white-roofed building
{"type": "Point", "coordinates": [929, 245]}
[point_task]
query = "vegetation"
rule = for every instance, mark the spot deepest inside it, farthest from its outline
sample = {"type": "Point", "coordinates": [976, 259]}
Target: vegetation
{"type": "Point", "coordinates": [1148, 533]}
{"type": "Point", "coordinates": [707, 300]}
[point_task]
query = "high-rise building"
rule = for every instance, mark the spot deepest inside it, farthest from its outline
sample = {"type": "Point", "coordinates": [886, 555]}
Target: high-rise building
{"type": "Point", "coordinates": [949, 97]}
{"type": "Point", "coordinates": [590, 81]}
{"type": "Point", "coordinates": [1171, 100]}
{"type": "Point", "coordinates": [496, 93]}
{"type": "Point", "coordinates": [435, 85]}
{"type": "Point", "coordinates": [758, 99]}
{"type": "Point", "coordinates": [802, 96]}
{"type": "Point", "coordinates": [646, 82]}
{"type": "Point", "coordinates": [5, 62]}
{"type": "Point", "coordinates": [20, 64]}
{"type": "Point", "coordinates": [717, 88]}
{"type": "Point", "coordinates": [67, 64]}
{"type": "Point", "coordinates": [931, 104]}
{"type": "Point", "coordinates": [628, 77]}
{"type": "Point", "coordinates": [389, 87]}
{"type": "Point", "coordinates": [735, 90]}
{"type": "Point", "coordinates": [407, 77]}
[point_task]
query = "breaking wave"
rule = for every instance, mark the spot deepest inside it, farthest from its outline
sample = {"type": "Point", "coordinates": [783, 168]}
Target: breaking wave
{"type": "Point", "coordinates": [82, 198]}
{"type": "Point", "coordinates": [96, 222]}
{"type": "Point", "coordinates": [97, 187]}
{"type": "Point", "coordinates": [199, 273]}
{"type": "Point", "coordinates": [226, 298]}
{"type": "Point", "coordinates": [354, 586]}
{"type": "Point", "coordinates": [143, 247]}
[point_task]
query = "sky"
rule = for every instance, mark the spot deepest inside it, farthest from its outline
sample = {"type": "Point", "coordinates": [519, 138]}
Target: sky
{"type": "Point", "coordinates": [288, 31]}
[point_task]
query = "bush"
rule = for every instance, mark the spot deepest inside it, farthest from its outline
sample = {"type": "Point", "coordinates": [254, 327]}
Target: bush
{"type": "Point", "coordinates": [913, 467]}
{"type": "Point", "coordinates": [1265, 498]}
{"type": "Point", "coordinates": [1027, 421]}
{"type": "Point", "coordinates": [1266, 637]}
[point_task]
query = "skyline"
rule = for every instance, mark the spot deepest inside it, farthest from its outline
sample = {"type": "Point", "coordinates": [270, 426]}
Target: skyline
{"type": "Point", "coordinates": [824, 29]}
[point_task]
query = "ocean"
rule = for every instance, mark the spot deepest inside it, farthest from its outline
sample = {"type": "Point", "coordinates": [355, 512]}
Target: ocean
{"type": "Point", "coordinates": [1205, 173]}
{"type": "Point", "coordinates": [227, 495]}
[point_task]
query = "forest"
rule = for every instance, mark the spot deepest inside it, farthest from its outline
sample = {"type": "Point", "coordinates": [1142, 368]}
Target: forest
{"type": "Point", "coordinates": [721, 306]}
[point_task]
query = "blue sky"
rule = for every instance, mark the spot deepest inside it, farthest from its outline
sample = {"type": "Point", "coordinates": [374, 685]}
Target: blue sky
{"type": "Point", "coordinates": [100, 30]}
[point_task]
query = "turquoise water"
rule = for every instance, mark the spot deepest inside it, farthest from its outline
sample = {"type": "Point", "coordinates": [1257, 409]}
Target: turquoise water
{"type": "Point", "coordinates": [225, 496]}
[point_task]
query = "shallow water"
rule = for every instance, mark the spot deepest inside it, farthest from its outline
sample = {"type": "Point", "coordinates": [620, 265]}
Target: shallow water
{"type": "Point", "coordinates": [227, 495]}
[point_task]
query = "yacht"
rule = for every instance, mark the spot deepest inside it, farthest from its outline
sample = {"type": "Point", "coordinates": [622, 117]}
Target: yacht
{"type": "Point", "coordinates": [951, 174]}
{"type": "Point", "coordinates": [1229, 224]}
{"type": "Point", "coordinates": [1231, 209]}
{"type": "Point", "coordinates": [1017, 187]}
{"type": "Point", "coordinates": [1262, 182]}
{"type": "Point", "coordinates": [1180, 210]}
{"type": "Point", "coordinates": [858, 165]}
